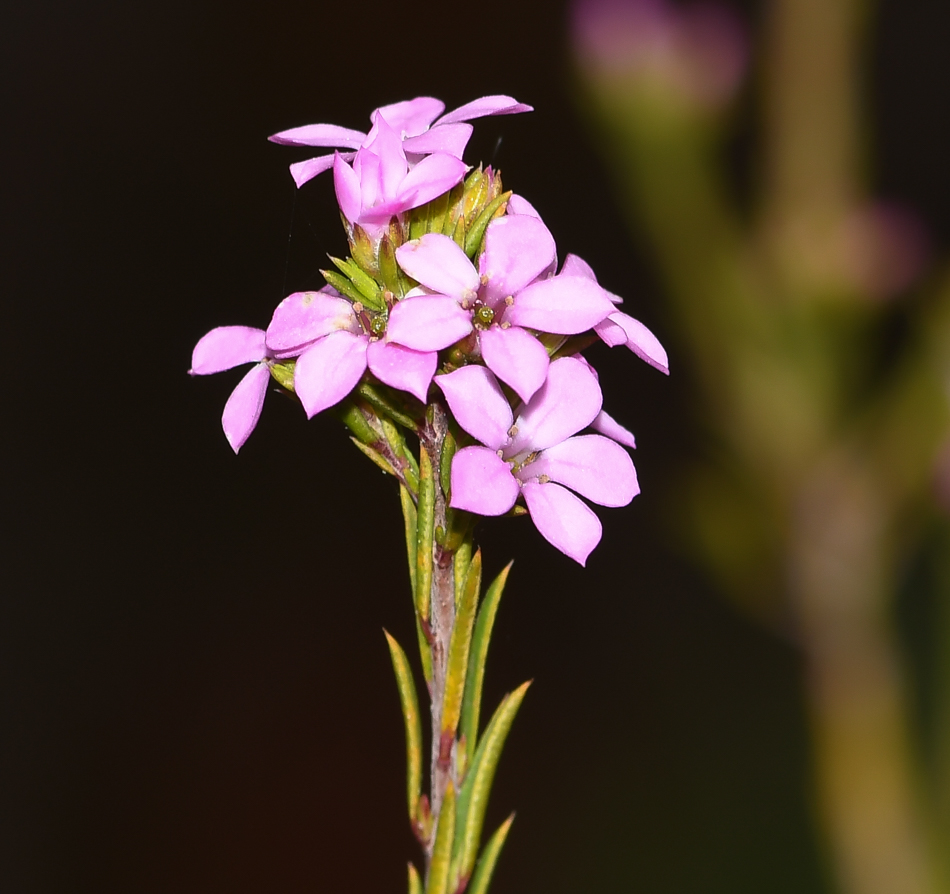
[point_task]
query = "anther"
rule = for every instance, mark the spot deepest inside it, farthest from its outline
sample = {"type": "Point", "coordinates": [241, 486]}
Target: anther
{"type": "Point", "coordinates": [512, 431]}
{"type": "Point", "coordinates": [509, 300]}
{"type": "Point", "coordinates": [357, 307]}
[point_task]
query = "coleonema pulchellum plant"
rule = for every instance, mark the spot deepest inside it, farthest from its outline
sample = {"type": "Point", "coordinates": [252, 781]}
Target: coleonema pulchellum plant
{"type": "Point", "coordinates": [450, 344]}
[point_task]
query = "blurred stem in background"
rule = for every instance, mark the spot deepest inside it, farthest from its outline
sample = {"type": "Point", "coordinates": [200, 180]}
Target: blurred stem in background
{"type": "Point", "coordinates": [824, 426]}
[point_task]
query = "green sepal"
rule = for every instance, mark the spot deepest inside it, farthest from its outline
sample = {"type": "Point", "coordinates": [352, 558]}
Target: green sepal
{"type": "Point", "coordinates": [376, 457]}
{"type": "Point", "coordinates": [438, 881]}
{"type": "Point", "coordinates": [409, 521]}
{"type": "Point", "coordinates": [381, 402]}
{"type": "Point", "coordinates": [343, 285]}
{"type": "Point", "coordinates": [457, 664]}
{"type": "Point", "coordinates": [283, 373]}
{"type": "Point", "coordinates": [573, 345]}
{"type": "Point", "coordinates": [410, 714]}
{"type": "Point", "coordinates": [415, 883]}
{"type": "Point", "coordinates": [488, 859]}
{"type": "Point", "coordinates": [477, 656]}
{"type": "Point", "coordinates": [425, 534]}
{"type": "Point", "coordinates": [389, 270]}
{"type": "Point", "coordinates": [363, 250]}
{"type": "Point", "coordinates": [365, 285]}
{"type": "Point", "coordinates": [476, 232]}
{"type": "Point", "coordinates": [473, 798]}
{"type": "Point", "coordinates": [437, 210]}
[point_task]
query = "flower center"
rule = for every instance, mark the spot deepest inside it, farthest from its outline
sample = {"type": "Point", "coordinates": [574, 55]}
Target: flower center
{"type": "Point", "coordinates": [483, 316]}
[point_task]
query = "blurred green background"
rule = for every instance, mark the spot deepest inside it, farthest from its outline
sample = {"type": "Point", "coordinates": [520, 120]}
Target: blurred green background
{"type": "Point", "coordinates": [746, 690]}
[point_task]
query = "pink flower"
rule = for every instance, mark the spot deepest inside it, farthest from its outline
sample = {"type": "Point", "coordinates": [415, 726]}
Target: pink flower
{"type": "Point", "coordinates": [380, 184]}
{"type": "Point", "coordinates": [334, 343]}
{"type": "Point", "coordinates": [416, 121]}
{"type": "Point", "coordinates": [533, 453]}
{"type": "Point", "coordinates": [224, 348]}
{"type": "Point", "coordinates": [501, 301]}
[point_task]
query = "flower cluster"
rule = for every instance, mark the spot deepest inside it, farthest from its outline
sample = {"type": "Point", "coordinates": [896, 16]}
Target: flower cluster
{"type": "Point", "coordinates": [451, 282]}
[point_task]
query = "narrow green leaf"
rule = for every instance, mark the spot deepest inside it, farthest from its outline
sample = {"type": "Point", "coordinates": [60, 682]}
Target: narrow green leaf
{"type": "Point", "coordinates": [425, 651]}
{"type": "Point", "coordinates": [375, 456]}
{"type": "Point", "coordinates": [488, 859]}
{"type": "Point", "coordinates": [476, 231]}
{"type": "Point", "coordinates": [425, 533]}
{"type": "Point", "coordinates": [438, 881]}
{"type": "Point", "coordinates": [380, 401]}
{"type": "Point", "coordinates": [410, 714]}
{"type": "Point", "coordinates": [388, 268]}
{"type": "Point", "coordinates": [353, 418]}
{"type": "Point", "coordinates": [457, 663]}
{"type": "Point", "coordinates": [409, 520]}
{"type": "Point", "coordinates": [415, 883]}
{"type": "Point", "coordinates": [449, 447]}
{"type": "Point", "coordinates": [472, 702]}
{"type": "Point", "coordinates": [461, 562]}
{"type": "Point", "coordinates": [473, 798]}
{"type": "Point", "coordinates": [367, 287]}
{"type": "Point", "coordinates": [343, 285]}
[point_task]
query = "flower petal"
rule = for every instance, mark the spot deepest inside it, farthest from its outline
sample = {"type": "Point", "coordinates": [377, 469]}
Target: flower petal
{"type": "Point", "coordinates": [302, 171]}
{"type": "Point", "coordinates": [348, 190]}
{"type": "Point", "coordinates": [243, 408]}
{"type": "Point", "coordinates": [565, 305]}
{"type": "Point", "coordinates": [518, 248]}
{"type": "Point", "coordinates": [387, 147]}
{"type": "Point", "coordinates": [303, 317]}
{"type": "Point", "coordinates": [225, 347]}
{"type": "Point", "coordinates": [608, 426]}
{"type": "Point", "coordinates": [401, 367]}
{"type": "Point", "coordinates": [478, 404]}
{"type": "Point", "coordinates": [642, 341]}
{"type": "Point", "coordinates": [450, 138]}
{"type": "Point", "coordinates": [482, 482]}
{"type": "Point", "coordinates": [516, 357]}
{"type": "Point", "coordinates": [520, 205]}
{"type": "Point", "coordinates": [433, 176]}
{"type": "Point", "coordinates": [567, 402]}
{"type": "Point", "coordinates": [485, 105]}
{"type": "Point", "coordinates": [320, 135]}
{"type": "Point", "coordinates": [611, 333]}
{"type": "Point", "coordinates": [563, 520]}
{"type": "Point", "coordinates": [439, 264]}
{"type": "Point", "coordinates": [428, 322]}
{"type": "Point", "coordinates": [412, 116]}
{"type": "Point", "coordinates": [329, 370]}
{"type": "Point", "coordinates": [592, 465]}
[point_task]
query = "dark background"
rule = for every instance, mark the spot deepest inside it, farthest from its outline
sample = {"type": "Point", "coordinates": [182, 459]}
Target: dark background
{"type": "Point", "coordinates": [196, 693]}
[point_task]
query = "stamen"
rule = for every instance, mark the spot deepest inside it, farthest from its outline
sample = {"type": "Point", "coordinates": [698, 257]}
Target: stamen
{"type": "Point", "coordinates": [512, 431]}
{"type": "Point", "coordinates": [509, 300]}
{"type": "Point", "coordinates": [357, 307]}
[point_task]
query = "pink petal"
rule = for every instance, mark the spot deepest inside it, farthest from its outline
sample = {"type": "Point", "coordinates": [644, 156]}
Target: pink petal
{"type": "Point", "coordinates": [520, 205]}
{"type": "Point", "coordinates": [517, 249]}
{"type": "Point", "coordinates": [608, 426]}
{"type": "Point", "coordinates": [302, 171]}
{"type": "Point", "coordinates": [594, 466]}
{"type": "Point", "coordinates": [412, 116]}
{"type": "Point", "coordinates": [428, 322]}
{"type": "Point", "coordinates": [393, 167]}
{"type": "Point", "coordinates": [516, 357]}
{"type": "Point", "coordinates": [563, 520]}
{"type": "Point", "coordinates": [565, 305]}
{"type": "Point", "coordinates": [642, 341]}
{"type": "Point", "coordinates": [348, 190]}
{"type": "Point", "coordinates": [401, 367]}
{"type": "Point", "coordinates": [478, 404]}
{"type": "Point", "coordinates": [482, 482]}
{"type": "Point", "coordinates": [243, 408]}
{"type": "Point", "coordinates": [303, 317]}
{"type": "Point", "coordinates": [434, 175]}
{"type": "Point", "coordinates": [439, 264]}
{"type": "Point", "coordinates": [486, 105]}
{"type": "Point", "coordinates": [225, 347]}
{"type": "Point", "coordinates": [567, 402]}
{"type": "Point", "coordinates": [575, 266]}
{"type": "Point", "coordinates": [329, 370]}
{"type": "Point", "coordinates": [450, 138]}
{"type": "Point", "coordinates": [320, 135]}
{"type": "Point", "coordinates": [611, 333]}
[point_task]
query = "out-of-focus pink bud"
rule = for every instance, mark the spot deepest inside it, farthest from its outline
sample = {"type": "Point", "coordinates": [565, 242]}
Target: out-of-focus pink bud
{"type": "Point", "coordinates": [699, 52]}
{"type": "Point", "coordinates": [886, 248]}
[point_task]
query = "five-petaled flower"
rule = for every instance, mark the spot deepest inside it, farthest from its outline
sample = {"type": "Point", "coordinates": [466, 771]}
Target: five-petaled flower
{"type": "Point", "coordinates": [536, 452]}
